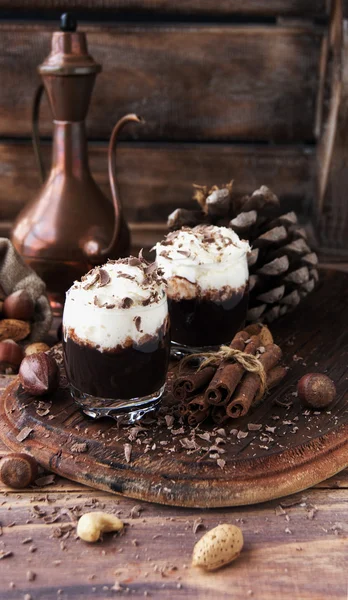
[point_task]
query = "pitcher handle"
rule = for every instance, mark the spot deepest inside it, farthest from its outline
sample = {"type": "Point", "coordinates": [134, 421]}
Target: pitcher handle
{"type": "Point", "coordinates": [35, 131]}
{"type": "Point", "coordinates": [91, 248]}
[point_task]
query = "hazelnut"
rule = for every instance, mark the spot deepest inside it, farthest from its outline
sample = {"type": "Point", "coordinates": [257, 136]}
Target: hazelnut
{"type": "Point", "coordinates": [18, 470]}
{"type": "Point", "coordinates": [36, 347]}
{"type": "Point", "coordinates": [39, 374]}
{"type": "Point", "coordinates": [316, 390]}
{"type": "Point", "coordinates": [19, 305]}
{"type": "Point", "coordinates": [11, 355]}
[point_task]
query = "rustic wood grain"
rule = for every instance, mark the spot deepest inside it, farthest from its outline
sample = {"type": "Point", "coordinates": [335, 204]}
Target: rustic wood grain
{"type": "Point", "coordinates": [154, 179]}
{"type": "Point", "coordinates": [304, 447]}
{"type": "Point", "coordinates": [183, 7]}
{"type": "Point", "coordinates": [332, 154]}
{"type": "Point", "coordinates": [188, 82]}
{"type": "Point", "coordinates": [287, 554]}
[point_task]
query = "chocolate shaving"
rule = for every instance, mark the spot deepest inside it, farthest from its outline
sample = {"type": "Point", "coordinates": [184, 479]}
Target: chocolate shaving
{"type": "Point", "coordinates": [151, 268]}
{"type": "Point", "coordinates": [91, 282]}
{"type": "Point", "coordinates": [104, 278]}
{"type": "Point", "coordinates": [141, 257]}
{"type": "Point", "coordinates": [134, 262]}
{"type": "Point", "coordinates": [45, 480]}
{"type": "Point", "coordinates": [79, 447]}
{"type": "Point", "coordinates": [126, 302]}
{"type": "Point", "coordinates": [183, 217]}
{"type": "Point", "coordinates": [127, 452]}
{"type": "Point", "coordinates": [26, 431]}
{"type": "Point", "coordinates": [137, 321]}
{"type": "Point", "coordinates": [126, 276]}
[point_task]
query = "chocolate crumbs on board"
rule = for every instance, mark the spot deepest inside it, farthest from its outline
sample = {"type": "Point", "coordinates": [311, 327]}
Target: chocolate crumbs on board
{"type": "Point", "coordinates": [23, 434]}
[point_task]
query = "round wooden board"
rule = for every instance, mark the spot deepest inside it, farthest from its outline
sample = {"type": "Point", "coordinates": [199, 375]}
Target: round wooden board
{"type": "Point", "coordinates": [293, 450]}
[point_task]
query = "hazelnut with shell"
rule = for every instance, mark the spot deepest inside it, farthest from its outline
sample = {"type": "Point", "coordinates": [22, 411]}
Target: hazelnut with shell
{"type": "Point", "coordinates": [39, 374]}
{"type": "Point", "coordinates": [19, 305]}
{"type": "Point", "coordinates": [11, 355]}
{"type": "Point", "coordinates": [316, 390]}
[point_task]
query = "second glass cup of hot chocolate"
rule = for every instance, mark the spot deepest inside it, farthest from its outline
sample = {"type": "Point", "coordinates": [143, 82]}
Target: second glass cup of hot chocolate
{"type": "Point", "coordinates": [116, 338]}
{"type": "Point", "coordinates": [206, 270]}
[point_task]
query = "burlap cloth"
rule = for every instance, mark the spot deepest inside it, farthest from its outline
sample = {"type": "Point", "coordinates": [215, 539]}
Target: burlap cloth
{"type": "Point", "coordinates": [16, 275]}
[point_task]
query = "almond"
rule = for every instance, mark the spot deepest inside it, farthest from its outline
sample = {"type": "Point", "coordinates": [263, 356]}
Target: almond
{"type": "Point", "coordinates": [13, 329]}
{"type": "Point", "coordinates": [35, 348]}
{"type": "Point", "coordinates": [265, 336]}
{"type": "Point", "coordinates": [218, 547]}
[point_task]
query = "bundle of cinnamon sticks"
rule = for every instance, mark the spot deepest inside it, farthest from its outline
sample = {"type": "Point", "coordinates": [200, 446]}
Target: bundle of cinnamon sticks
{"type": "Point", "coordinates": [226, 384]}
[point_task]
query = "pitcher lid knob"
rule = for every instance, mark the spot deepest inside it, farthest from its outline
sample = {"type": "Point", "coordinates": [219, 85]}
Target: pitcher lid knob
{"type": "Point", "coordinates": [68, 22]}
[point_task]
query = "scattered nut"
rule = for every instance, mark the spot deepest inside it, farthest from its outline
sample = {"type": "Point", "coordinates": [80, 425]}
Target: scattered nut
{"type": "Point", "coordinates": [316, 390]}
{"type": "Point", "coordinates": [13, 329]}
{"type": "Point", "coordinates": [39, 374]}
{"type": "Point", "coordinates": [218, 547]}
{"type": "Point", "coordinates": [92, 525]}
{"type": "Point", "coordinates": [18, 470]}
{"type": "Point", "coordinates": [35, 348]}
{"type": "Point", "coordinates": [19, 305]}
{"type": "Point", "coordinates": [11, 355]}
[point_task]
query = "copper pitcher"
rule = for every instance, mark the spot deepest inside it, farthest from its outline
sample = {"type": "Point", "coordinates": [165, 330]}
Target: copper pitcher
{"type": "Point", "coordinates": [70, 225]}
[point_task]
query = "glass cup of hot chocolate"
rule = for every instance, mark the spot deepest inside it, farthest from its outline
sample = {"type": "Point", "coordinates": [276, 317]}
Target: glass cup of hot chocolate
{"type": "Point", "coordinates": [206, 270]}
{"type": "Point", "coordinates": [116, 339]}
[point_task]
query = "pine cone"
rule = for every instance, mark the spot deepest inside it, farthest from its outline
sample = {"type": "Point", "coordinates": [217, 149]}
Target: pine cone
{"type": "Point", "coordinates": [281, 264]}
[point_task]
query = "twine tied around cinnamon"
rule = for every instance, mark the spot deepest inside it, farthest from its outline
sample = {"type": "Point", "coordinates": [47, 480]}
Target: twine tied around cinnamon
{"type": "Point", "coordinates": [227, 354]}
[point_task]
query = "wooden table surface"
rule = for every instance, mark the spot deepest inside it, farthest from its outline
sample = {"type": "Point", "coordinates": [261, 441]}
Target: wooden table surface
{"type": "Point", "coordinates": [295, 548]}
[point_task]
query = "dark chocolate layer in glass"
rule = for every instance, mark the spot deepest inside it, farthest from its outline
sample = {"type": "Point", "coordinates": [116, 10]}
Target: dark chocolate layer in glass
{"type": "Point", "coordinates": [199, 322]}
{"type": "Point", "coordinates": [130, 372]}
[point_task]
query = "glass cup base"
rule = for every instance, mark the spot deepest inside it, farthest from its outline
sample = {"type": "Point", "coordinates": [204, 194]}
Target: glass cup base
{"type": "Point", "coordinates": [181, 350]}
{"type": "Point", "coordinates": [127, 411]}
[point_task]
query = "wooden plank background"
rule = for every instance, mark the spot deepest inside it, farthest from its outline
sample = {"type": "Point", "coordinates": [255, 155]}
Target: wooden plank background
{"type": "Point", "coordinates": [188, 82]}
{"type": "Point", "coordinates": [179, 7]}
{"type": "Point", "coordinates": [149, 179]}
{"type": "Point", "coordinates": [227, 89]}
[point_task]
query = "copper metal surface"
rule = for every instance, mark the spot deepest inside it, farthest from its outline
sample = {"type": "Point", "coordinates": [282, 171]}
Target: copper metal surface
{"type": "Point", "coordinates": [70, 225]}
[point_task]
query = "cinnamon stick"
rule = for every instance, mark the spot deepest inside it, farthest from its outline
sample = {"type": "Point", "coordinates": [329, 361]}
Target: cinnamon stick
{"type": "Point", "coordinates": [197, 417]}
{"type": "Point", "coordinates": [197, 403]}
{"type": "Point", "coordinates": [218, 414]}
{"type": "Point", "coordinates": [193, 380]}
{"type": "Point", "coordinates": [249, 386]}
{"type": "Point", "coordinates": [227, 377]}
{"type": "Point", "coordinates": [275, 376]}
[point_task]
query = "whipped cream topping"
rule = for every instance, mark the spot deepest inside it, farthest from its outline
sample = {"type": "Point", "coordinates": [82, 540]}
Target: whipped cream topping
{"type": "Point", "coordinates": [122, 302]}
{"type": "Point", "coordinates": [202, 259]}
